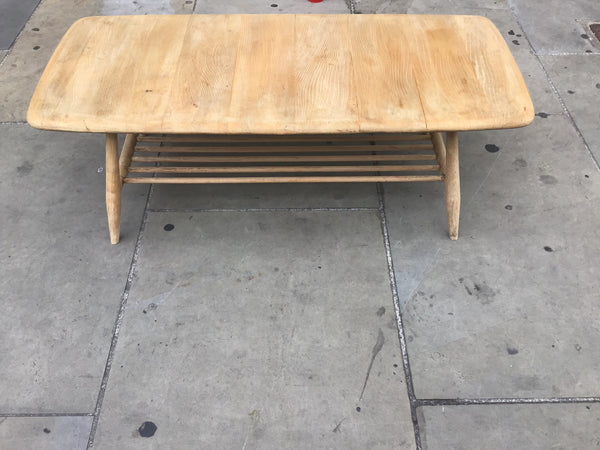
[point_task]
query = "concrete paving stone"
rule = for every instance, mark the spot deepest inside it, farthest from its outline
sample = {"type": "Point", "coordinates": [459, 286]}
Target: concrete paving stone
{"type": "Point", "coordinates": [454, 6]}
{"type": "Point", "coordinates": [382, 6]}
{"type": "Point", "coordinates": [61, 279]}
{"type": "Point", "coordinates": [23, 67]}
{"type": "Point", "coordinates": [240, 196]}
{"type": "Point", "coordinates": [510, 309]}
{"type": "Point", "coordinates": [577, 79]}
{"type": "Point", "coordinates": [271, 6]}
{"type": "Point", "coordinates": [256, 330]}
{"type": "Point", "coordinates": [126, 7]}
{"type": "Point", "coordinates": [490, 427]}
{"type": "Point", "coordinates": [44, 433]}
{"type": "Point", "coordinates": [13, 15]}
{"type": "Point", "coordinates": [555, 27]}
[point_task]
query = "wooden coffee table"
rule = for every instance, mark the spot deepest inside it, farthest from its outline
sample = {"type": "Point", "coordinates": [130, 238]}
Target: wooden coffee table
{"type": "Point", "coordinates": [281, 98]}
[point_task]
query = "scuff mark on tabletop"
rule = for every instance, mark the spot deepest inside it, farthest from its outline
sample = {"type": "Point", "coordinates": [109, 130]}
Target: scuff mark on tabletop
{"type": "Point", "coordinates": [376, 349]}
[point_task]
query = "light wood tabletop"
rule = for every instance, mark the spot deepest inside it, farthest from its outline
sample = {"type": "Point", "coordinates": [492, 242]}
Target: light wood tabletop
{"type": "Point", "coordinates": [281, 74]}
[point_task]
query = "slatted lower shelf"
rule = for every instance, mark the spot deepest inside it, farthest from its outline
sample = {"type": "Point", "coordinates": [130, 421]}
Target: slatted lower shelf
{"type": "Point", "coordinates": [286, 159]}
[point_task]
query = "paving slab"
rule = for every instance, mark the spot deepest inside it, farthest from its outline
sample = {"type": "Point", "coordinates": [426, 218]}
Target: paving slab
{"type": "Point", "coordinates": [44, 433]}
{"type": "Point", "coordinates": [382, 6]}
{"type": "Point", "coordinates": [509, 310]}
{"type": "Point", "coordinates": [61, 279]}
{"type": "Point", "coordinates": [577, 79]}
{"type": "Point", "coordinates": [257, 330]}
{"type": "Point", "coordinates": [13, 15]}
{"type": "Point", "coordinates": [126, 7]}
{"type": "Point", "coordinates": [239, 196]}
{"type": "Point", "coordinates": [491, 427]}
{"type": "Point", "coordinates": [23, 67]}
{"type": "Point", "coordinates": [556, 27]}
{"type": "Point", "coordinates": [454, 6]}
{"type": "Point", "coordinates": [270, 7]}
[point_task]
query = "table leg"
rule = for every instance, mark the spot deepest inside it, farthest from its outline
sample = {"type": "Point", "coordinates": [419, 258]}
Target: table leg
{"type": "Point", "coordinates": [113, 188]}
{"type": "Point", "coordinates": [452, 181]}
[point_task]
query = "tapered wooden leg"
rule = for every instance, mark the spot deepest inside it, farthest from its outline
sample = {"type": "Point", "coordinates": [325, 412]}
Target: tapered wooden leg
{"type": "Point", "coordinates": [113, 188]}
{"type": "Point", "coordinates": [452, 180]}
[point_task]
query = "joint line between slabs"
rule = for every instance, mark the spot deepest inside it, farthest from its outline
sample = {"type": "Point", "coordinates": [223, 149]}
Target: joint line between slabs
{"type": "Point", "coordinates": [504, 401]}
{"type": "Point", "coordinates": [405, 361]}
{"type": "Point", "coordinates": [119, 321]}
{"type": "Point", "coordinates": [351, 6]}
{"type": "Point", "coordinates": [555, 90]}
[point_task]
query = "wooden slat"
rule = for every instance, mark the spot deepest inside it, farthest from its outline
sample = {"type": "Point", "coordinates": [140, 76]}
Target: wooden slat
{"type": "Point", "coordinates": [276, 159]}
{"type": "Point", "coordinates": [286, 138]}
{"type": "Point", "coordinates": [390, 80]}
{"type": "Point", "coordinates": [275, 179]}
{"type": "Point", "coordinates": [286, 149]}
{"type": "Point", "coordinates": [260, 169]}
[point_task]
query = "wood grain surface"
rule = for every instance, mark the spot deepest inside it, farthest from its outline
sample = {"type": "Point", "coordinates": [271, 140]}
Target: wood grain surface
{"type": "Point", "coordinates": [281, 74]}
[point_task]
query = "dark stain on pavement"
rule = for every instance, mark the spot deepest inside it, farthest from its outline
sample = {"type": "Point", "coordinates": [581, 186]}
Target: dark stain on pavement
{"type": "Point", "coordinates": [520, 163]}
{"type": "Point", "coordinates": [480, 290]}
{"type": "Point", "coordinates": [492, 148]}
{"type": "Point", "coordinates": [147, 429]}
{"type": "Point", "coordinates": [512, 350]}
{"type": "Point", "coordinates": [381, 311]}
{"type": "Point", "coordinates": [24, 169]}
{"type": "Point", "coordinates": [376, 349]}
{"type": "Point", "coordinates": [548, 179]}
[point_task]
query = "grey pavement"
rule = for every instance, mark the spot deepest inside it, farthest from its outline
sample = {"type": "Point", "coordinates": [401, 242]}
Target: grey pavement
{"type": "Point", "coordinates": [310, 316]}
{"type": "Point", "coordinates": [13, 15]}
